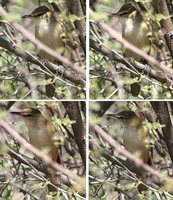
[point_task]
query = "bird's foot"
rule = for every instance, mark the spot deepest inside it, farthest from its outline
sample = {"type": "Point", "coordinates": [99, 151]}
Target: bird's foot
{"type": "Point", "coordinates": [147, 69]}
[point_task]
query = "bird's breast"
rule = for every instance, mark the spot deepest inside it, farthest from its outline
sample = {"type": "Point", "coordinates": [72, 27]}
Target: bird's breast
{"type": "Point", "coordinates": [135, 140]}
{"type": "Point", "coordinates": [49, 34]}
{"type": "Point", "coordinates": [136, 33]}
{"type": "Point", "coordinates": [41, 135]}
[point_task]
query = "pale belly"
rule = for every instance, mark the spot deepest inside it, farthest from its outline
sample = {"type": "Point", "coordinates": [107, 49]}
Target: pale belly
{"type": "Point", "coordinates": [51, 37]}
{"type": "Point", "coordinates": [135, 143]}
{"type": "Point", "coordinates": [137, 35]}
{"type": "Point", "coordinates": [42, 140]}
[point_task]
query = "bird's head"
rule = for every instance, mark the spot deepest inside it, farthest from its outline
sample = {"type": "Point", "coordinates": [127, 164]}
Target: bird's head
{"type": "Point", "coordinates": [126, 10]}
{"type": "Point", "coordinates": [125, 115]}
{"type": "Point", "coordinates": [26, 112]}
{"type": "Point", "coordinates": [37, 12]}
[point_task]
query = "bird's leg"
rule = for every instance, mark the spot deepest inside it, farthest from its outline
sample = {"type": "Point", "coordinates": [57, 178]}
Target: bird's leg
{"type": "Point", "coordinates": [46, 66]}
{"type": "Point", "coordinates": [49, 77]}
{"type": "Point", "coordinates": [147, 68]}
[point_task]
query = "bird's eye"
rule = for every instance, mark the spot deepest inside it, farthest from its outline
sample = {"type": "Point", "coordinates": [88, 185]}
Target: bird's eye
{"type": "Point", "coordinates": [38, 14]}
{"type": "Point", "coordinates": [28, 115]}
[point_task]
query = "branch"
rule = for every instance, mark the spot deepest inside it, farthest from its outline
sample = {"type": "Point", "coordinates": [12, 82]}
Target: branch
{"type": "Point", "coordinates": [28, 57]}
{"type": "Point", "coordinates": [73, 111]}
{"type": "Point", "coordinates": [117, 146]}
{"type": "Point", "coordinates": [79, 182]}
{"type": "Point", "coordinates": [128, 62]}
{"type": "Point", "coordinates": [42, 168]}
{"type": "Point", "coordinates": [128, 45]}
{"type": "Point", "coordinates": [42, 46]}
{"type": "Point", "coordinates": [160, 6]}
{"type": "Point", "coordinates": [103, 107]}
{"type": "Point", "coordinates": [162, 112]}
{"type": "Point", "coordinates": [74, 7]}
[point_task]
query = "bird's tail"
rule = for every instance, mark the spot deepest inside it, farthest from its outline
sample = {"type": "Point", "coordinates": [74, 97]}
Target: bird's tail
{"type": "Point", "coordinates": [142, 186]}
{"type": "Point", "coordinates": [51, 176]}
{"type": "Point", "coordinates": [50, 88]}
{"type": "Point", "coordinates": [53, 182]}
{"type": "Point", "coordinates": [135, 87]}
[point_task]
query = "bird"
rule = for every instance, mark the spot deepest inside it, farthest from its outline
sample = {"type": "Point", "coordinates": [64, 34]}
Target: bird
{"type": "Point", "coordinates": [136, 139]}
{"type": "Point", "coordinates": [135, 31]}
{"type": "Point", "coordinates": [135, 136]}
{"type": "Point", "coordinates": [48, 30]}
{"type": "Point", "coordinates": [42, 133]}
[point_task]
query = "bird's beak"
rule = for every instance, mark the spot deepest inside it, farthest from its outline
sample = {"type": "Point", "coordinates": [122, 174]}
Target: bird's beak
{"type": "Point", "coordinates": [15, 111]}
{"type": "Point", "coordinates": [111, 115]}
{"type": "Point", "coordinates": [26, 16]}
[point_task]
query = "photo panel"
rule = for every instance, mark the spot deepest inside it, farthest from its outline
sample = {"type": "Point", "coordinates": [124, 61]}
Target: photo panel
{"type": "Point", "coordinates": [130, 150]}
{"type": "Point", "coordinates": [130, 49]}
{"type": "Point", "coordinates": [43, 150]}
{"type": "Point", "coordinates": [43, 49]}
